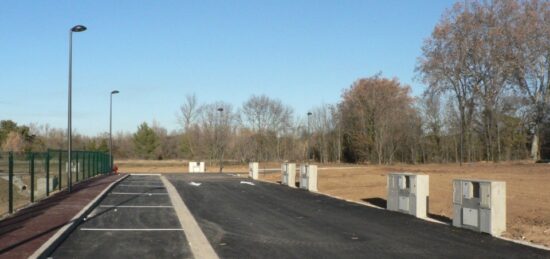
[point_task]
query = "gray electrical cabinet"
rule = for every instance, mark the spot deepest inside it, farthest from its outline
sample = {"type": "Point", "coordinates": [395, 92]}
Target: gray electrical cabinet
{"type": "Point", "coordinates": [308, 177]}
{"type": "Point", "coordinates": [288, 174]}
{"type": "Point", "coordinates": [253, 170]}
{"type": "Point", "coordinates": [480, 205]}
{"type": "Point", "coordinates": [408, 193]}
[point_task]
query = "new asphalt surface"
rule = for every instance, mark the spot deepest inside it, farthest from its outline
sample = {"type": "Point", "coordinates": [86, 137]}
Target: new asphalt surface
{"type": "Point", "coordinates": [242, 218]}
{"type": "Point", "coordinates": [266, 220]}
{"type": "Point", "coordinates": [135, 220]}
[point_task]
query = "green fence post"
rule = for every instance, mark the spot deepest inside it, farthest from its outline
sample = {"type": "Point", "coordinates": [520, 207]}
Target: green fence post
{"type": "Point", "coordinates": [100, 163]}
{"type": "Point", "coordinates": [88, 164]}
{"type": "Point", "coordinates": [77, 162]}
{"type": "Point", "coordinates": [48, 173]}
{"type": "Point", "coordinates": [10, 182]}
{"type": "Point", "coordinates": [94, 169]}
{"type": "Point", "coordinates": [69, 170]}
{"type": "Point", "coordinates": [60, 167]}
{"type": "Point", "coordinates": [32, 176]}
{"type": "Point", "coordinates": [84, 165]}
{"type": "Point", "coordinates": [105, 163]}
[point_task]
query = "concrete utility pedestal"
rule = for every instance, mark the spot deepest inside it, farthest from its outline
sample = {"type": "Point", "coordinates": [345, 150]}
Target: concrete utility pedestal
{"type": "Point", "coordinates": [289, 174]}
{"type": "Point", "coordinates": [253, 168]}
{"type": "Point", "coordinates": [408, 193]}
{"type": "Point", "coordinates": [196, 167]}
{"type": "Point", "coordinates": [308, 177]}
{"type": "Point", "coordinates": [480, 205]}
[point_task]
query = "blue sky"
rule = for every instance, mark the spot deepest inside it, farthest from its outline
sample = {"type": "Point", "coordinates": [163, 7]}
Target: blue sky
{"type": "Point", "coordinates": [155, 52]}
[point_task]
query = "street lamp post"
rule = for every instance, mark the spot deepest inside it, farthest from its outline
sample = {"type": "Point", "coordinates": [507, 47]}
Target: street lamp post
{"type": "Point", "coordinates": [220, 146]}
{"type": "Point", "coordinates": [111, 129]}
{"type": "Point", "coordinates": [77, 28]}
{"type": "Point", "coordinates": [308, 135]}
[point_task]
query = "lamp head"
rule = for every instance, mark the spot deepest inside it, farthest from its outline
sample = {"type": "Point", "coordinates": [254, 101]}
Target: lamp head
{"type": "Point", "coordinates": [309, 113]}
{"type": "Point", "coordinates": [78, 28]}
{"type": "Point", "coordinates": [115, 92]}
{"type": "Point", "coordinates": [220, 109]}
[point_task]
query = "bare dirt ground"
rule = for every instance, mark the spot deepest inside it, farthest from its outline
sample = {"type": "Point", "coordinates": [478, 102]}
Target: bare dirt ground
{"type": "Point", "coordinates": [528, 187]}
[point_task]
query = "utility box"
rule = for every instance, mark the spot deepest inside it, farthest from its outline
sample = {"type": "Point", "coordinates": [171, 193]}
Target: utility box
{"type": "Point", "coordinates": [408, 193]}
{"type": "Point", "coordinates": [480, 205]}
{"type": "Point", "coordinates": [196, 167]}
{"type": "Point", "coordinates": [253, 168]}
{"type": "Point", "coordinates": [308, 177]}
{"type": "Point", "coordinates": [289, 174]}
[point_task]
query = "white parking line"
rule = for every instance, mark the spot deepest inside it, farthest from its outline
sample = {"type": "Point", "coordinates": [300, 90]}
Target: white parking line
{"type": "Point", "coordinates": [139, 193]}
{"type": "Point", "coordinates": [137, 185]}
{"type": "Point", "coordinates": [134, 206]}
{"type": "Point", "coordinates": [131, 229]}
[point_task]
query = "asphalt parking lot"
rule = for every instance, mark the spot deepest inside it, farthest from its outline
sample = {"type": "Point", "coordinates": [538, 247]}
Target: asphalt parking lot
{"type": "Point", "coordinates": [241, 218]}
{"type": "Point", "coordinates": [135, 220]}
{"type": "Point", "coordinates": [266, 220]}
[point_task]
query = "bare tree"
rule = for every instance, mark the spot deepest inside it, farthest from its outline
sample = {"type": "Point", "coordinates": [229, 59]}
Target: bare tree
{"type": "Point", "coordinates": [530, 48]}
{"type": "Point", "coordinates": [268, 118]}
{"type": "Point", "coordinates": [189, 111]}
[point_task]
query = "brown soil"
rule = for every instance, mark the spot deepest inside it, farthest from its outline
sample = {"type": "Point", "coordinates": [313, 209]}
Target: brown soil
{"type": "Point", "coordinates": [528, 187]}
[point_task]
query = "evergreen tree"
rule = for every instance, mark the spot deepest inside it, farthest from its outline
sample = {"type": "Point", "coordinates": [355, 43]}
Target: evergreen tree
{"type": "Point", "coordinates": [145, 141]}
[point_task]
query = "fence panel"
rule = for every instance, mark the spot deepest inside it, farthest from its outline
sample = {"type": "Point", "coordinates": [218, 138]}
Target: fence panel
{"type": "Point", "coordinates": [27, 177]}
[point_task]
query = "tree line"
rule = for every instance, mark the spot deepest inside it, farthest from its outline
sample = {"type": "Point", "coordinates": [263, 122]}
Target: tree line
{"type": "Point", "coordinates": [486, 71]}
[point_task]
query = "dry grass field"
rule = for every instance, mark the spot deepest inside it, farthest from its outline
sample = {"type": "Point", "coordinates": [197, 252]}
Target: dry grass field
{"type": "Point", "coordinates": [528, 187]}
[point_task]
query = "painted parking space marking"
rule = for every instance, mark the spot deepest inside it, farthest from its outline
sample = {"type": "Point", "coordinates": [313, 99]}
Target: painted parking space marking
{"type": "Point", "coordinates": [136, 185]}
{"type": "Point", "coordinates": [138, 210]}
{"type": "Point", "coordinates": [134, 206]}
{"type": "Point", "coordinates": [131, 229]}
{"type": "Point", "coordinates": [139, 193]}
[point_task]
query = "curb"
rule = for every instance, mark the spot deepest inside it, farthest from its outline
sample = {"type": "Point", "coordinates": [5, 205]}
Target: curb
{"type": "Point", "coordinates": [54, 241]}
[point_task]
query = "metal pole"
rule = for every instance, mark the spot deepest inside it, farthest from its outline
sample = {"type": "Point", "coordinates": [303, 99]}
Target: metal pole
{"type": "Point", "coordinates": [59, 169]}
{"type": "Point", "coordinates": [76, 170]}
{"type": "Point", "coordinates": [218, 136]}
{"type": "Point", "coordinates": [10, 182]}
{"type": "Point", "coordinates": [111, 133]}
{"type": "Point", "coordinates": [69, 127]}
{"type": "Point", "coordinates": [77, 28]}
{"type": "Point", "coordinates": [32, 175]}
{"type": "Point", "coordinates": [47, 173]}
{"type": "Point", "coordinates": [308, 135]}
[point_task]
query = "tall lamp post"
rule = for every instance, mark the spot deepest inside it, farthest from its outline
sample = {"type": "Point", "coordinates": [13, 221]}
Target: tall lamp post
{"type": "Point", "coordinates": [77, 28]}
{"type": "Point", "coordinates": [308, 135]}
{"type": "Point", "coordinates": [111, 130]}
{"type": "Point", "coordinates": [221, 150]}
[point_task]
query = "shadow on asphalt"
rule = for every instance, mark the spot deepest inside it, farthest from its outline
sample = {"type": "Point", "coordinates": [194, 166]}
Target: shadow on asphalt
{"type": "Point", "coordinates": [382, 203]}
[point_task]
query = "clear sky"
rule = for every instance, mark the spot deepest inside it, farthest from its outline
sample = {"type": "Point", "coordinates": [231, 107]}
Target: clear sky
{"type": "Point", "coordinates": [155, 52]}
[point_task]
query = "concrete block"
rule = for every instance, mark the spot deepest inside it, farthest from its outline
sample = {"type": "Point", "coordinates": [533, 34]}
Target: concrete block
{"type": "Point", "coordinates": [288, 174]}
{"type": "Point", "coordinates": [408, 193]}
{"type": "Point", "coordinates": [480, 205]}
{"type": "Point", "coordinates": [253, 168]}
{"type": "Point", "coordinates": [308, 177]}
{"type": "Point", "coordinates": [196, 167]}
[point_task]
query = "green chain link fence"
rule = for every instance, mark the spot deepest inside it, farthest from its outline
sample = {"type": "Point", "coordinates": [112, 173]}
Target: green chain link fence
{"type": "Point", "coordinates": [26, 177]}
